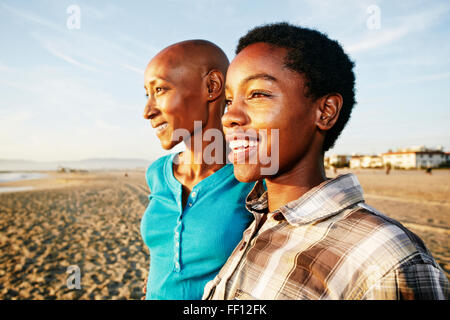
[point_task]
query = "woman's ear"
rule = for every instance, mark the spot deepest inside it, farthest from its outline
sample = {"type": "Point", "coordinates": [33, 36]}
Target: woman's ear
{"type": "Point", "coordinates": [215, 84]}
{"type": "Point", "coordinates": [328, 110]}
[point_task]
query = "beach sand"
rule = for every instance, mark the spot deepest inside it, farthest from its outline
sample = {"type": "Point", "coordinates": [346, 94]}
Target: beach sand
{"type": "Point", "coordinates": [421, 202]}
{"type": "Point", "coordinates": [89, 220]}
{"type": "Point", "coordinates": [92, 220]}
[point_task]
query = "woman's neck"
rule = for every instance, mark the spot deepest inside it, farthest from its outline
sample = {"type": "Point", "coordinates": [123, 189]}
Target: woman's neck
{"type": "Point", "coordinates": [294, 183]}
{"type": "Point", "coordinates": [202, 158]}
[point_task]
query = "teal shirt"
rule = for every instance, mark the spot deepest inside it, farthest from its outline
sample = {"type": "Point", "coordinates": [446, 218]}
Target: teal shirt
{"type": "Point", "coordinates": [189, 246]}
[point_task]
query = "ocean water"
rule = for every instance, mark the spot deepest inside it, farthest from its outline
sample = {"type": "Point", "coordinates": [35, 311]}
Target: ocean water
{"type": "Point", "coordinates": [17, 176]}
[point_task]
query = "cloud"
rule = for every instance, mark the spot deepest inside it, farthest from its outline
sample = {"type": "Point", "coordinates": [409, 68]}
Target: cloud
{"type": "Point", "coordinates": [54, 47]}
{"type": "Point", "coordinates": [3, 67]}
{"type": "Point", "coordinates": [33, 18]}
{"type": "Point", "coordinates": [49, 114]}
{"type": "Point", "coordinates": [414, 22]}
{"type": "Point", "coordinates": [134, 69]}
{"type": "Point", "coordinates": [419, 79]}
{"type": "Point", "coordinates": [69, 59]}
{"type": "Point", "coordinates": [148, 49]}
{"type": "Point", "coordinates": [378, 39]}
{"type": "Point", "coordinates": [107, 52]}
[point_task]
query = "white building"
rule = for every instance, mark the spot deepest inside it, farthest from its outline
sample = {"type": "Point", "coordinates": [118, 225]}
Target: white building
{"type": "Point", "coordinates": [355, 161]}
{"type": "Point", "coordinates": [338, 160]}
{"type": "Point", "coordinates": [360, 161]}
{"type": "Point", "coordinates": [414, 159]}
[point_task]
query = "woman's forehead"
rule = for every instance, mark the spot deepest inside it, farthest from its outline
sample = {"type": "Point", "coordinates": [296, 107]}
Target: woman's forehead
{"type": "Point", "coordinates": [260, 61]}
{"type": "Point", "coordinates": [175, 72]}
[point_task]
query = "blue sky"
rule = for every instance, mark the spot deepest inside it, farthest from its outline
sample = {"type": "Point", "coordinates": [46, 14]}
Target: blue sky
{"type": "Point", "coordinates": [70, 94]}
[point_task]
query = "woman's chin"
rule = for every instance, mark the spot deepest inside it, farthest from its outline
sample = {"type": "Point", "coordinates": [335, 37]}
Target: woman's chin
{"type": "Point", "coordinates": [247, 172]}
{"type": "Point", "coordinates": [168, 145]}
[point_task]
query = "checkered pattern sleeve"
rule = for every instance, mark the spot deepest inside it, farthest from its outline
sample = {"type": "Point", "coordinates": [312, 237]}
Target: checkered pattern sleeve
{"type": "Point", "coordinates": [411, 282]}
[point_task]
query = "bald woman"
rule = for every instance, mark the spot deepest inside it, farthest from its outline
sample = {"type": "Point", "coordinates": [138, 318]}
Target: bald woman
{"type": "Point", "coordinates": [195, 216]}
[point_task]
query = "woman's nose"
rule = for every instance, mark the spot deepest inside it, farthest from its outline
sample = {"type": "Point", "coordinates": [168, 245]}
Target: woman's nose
{"type": "Point", "coordinates": [235, 116]}
{"type": "Point", "coordinates": [150, 111]}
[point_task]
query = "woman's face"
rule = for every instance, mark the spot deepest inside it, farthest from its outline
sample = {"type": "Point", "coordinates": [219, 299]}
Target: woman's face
{"type": "Point", "coordinates": [264, 95]}
{"type": "Point", "coordinates": [175, 99]}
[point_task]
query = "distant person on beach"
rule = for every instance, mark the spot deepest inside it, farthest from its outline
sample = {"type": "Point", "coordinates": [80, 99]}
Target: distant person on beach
{"type": "Point", "coordinates": [195, 216]}
{"type": "Point", "coordinates": [313, 237]}
{"type": "Point", "coordinates": [388, 168]}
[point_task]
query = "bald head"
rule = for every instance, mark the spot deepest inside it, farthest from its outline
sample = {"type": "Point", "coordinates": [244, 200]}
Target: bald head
{"type": "Point", "coordinates": [200, 55]}
{"type": "Point", "coordinates": [185, 82]}
{"type": "Point", "coordinates": [197, 65]}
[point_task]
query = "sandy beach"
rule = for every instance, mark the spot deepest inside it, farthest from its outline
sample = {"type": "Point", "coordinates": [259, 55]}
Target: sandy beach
{"type": "Point", "coordinates": [91, 220]}
{"type": "Point", "coordinates": [88, 219]}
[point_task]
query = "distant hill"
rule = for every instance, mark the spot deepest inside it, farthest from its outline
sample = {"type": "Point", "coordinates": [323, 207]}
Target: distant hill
{"type": "Point", "coordinates": [86, 164]}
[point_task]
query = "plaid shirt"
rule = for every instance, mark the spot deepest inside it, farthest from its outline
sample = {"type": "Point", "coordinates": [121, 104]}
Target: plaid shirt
{"type": "Point", "coordinates": [328, 244]}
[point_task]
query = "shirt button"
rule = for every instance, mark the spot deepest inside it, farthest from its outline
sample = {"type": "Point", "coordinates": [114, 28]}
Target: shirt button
{"type": "Point", "coordinates": [194, 194]}
{"type": "Point", "coordinates": [190, 204]}
{"type": "Point", "coordinates": [278, 216]}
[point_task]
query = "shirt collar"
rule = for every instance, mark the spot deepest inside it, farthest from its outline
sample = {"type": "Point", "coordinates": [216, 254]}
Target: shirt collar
{"type": "Point", "coordinates": [223, 173]}
{"type": "Point", "coordinates": [327, 199]}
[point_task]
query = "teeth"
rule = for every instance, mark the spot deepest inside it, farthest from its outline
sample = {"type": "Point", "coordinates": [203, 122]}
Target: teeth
{"type": "Point", "coordinates": [234, 144]}
{"type": "Point", "coordinates": [161, 127]}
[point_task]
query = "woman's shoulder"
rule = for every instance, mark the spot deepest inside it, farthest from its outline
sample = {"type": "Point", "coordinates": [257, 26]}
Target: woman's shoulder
{"type": "Point", "coordinates": [159, 163]}
{"type": "Point", "coordinates": [157, 167]}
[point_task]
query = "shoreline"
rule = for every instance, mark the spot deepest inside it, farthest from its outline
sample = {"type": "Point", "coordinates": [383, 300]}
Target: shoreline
{"type": "Point", "coordinates": [56, 180]}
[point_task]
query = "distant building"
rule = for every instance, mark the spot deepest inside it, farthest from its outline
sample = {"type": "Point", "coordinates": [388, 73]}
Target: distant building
{"type": "Point", "coordinates": [355, 161]}
{"type": "Point", "coordinates": [338, 160]}
{"type": "Point", "coordinates": [415, 157]}
{"type": "Point", "coordinates": [366, 161]}
{"type": "Point", "coordinates": [62, 169]}
{"type": "Point", "coordinates": [374, 161]}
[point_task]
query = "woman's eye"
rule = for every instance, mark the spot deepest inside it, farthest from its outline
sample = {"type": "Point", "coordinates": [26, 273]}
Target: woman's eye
{"type": "Point", "coordinates": [159, 90]}
{"type": "Point", "coordinates": [259, 94]}
{"type": "Point", "coordinates": [227, 102]}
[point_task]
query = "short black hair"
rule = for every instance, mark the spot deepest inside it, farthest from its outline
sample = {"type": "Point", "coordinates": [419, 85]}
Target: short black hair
{"type": "Point", "coordinates": [322, 61]}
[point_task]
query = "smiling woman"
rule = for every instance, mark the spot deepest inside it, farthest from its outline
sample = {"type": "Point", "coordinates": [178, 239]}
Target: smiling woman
{"type": "Point", "coordinates": [195, 216]}
{"type": "Point", "coordinates": [313, 237]}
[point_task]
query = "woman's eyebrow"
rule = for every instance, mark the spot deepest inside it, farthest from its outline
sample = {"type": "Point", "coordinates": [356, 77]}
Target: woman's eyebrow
{"type": "Point", "coordinates": [152, 82]}
{"type": "Point", "coordinates": [157, 78]}
{"type": "Point", "coordinates": [263, 76]}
